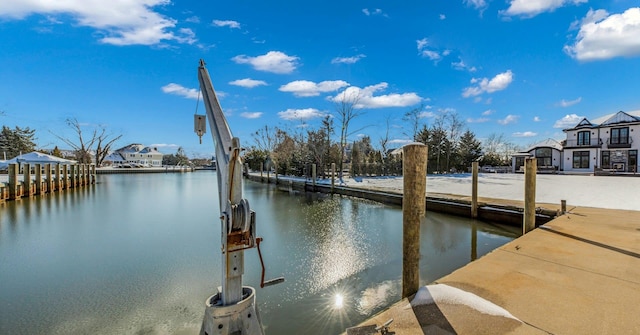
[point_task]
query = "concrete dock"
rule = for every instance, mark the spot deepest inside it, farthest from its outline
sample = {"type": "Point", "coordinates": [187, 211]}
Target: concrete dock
{"type": "Point", "coordinates": [578, 274]}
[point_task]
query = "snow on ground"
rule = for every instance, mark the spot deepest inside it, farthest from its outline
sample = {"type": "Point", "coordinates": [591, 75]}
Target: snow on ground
{"type": "Point", "coordinates": [613, 192]}
{"type": "Point", "coordinates": [440, 294]}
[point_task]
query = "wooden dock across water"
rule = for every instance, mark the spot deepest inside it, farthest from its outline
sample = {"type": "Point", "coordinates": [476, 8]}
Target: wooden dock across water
{"type": "Point", "coordinates": [38, 179]}
{"type": "Point", "coordinates": [578, 274]}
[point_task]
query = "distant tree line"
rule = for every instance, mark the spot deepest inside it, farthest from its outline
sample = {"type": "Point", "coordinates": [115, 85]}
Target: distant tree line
{"type": "Point", "coordinates": [452, 147]}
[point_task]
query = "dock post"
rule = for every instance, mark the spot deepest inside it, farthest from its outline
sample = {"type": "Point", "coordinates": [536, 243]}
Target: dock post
{"type": "Point", "coordinates": [333, 176]}
{"type": "Point", "coordinates": [13, 181]}
{"type": "Point", "coordinates": [26, 174]}
{"type": "Point", "coordinates": [313, 176]}
{"type": "Point", "coordinates": [93, 174]}
{"type": "Point", "coordinates": [39, 179]}
{"type": "Point", "coordinates": [261, 169]}
{"type": "Point", "coordinates": [57, 180]}
{"type": "Point", "coordinates": [529, 217]}
{"type": "Point", "coordinates": [563, 207]}
{"type": "Point", "coordinates": [414, 170]}
{"type": "Point", "coordinates": [474, 241]}
{"type": "Point", "coordinates": [474, 190]}
{"type": "Point", "coordinates": [65, 175]}
{"type": "Point", "coordinates": [47, 176]}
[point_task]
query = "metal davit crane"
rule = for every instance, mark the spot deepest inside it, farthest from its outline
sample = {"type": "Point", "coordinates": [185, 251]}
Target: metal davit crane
{"type": "Point", "coordinates": [232, 310]}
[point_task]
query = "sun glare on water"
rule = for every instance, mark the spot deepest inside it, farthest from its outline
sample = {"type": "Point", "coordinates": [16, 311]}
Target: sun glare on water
{"type": "Point", "coordinates": [338, 301]}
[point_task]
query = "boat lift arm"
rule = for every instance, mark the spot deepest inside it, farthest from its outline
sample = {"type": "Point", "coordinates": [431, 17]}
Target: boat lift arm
{"type": "Point", "coordinates": [230, 310]}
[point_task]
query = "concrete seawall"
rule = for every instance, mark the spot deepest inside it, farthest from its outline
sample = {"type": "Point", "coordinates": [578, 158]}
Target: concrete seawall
{"type": "Point", "coordinates": [493, 210]}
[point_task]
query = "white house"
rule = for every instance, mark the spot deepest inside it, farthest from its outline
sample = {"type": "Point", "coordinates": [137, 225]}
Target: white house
{"type": "Point", "coordinates": [136, 154]}
{"type": "Point", "coordinates": [604, 143]}
{"type": "Point", "coordinates": [548, 154]}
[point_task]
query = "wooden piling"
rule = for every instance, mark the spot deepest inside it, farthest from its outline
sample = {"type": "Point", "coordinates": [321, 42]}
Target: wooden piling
{"type": "Point", "coordinates": [529, 217]}
{"type": "Point", "coordinates": [47, 177]}
{"type": "Point", "coordinates": [474, 190]}
{"type": "Point", "coordinates": [414, 170]}
{"type": "Point", "coordinates": [93, 174]}
{"type": "Point", "coordinates": [563, 207]}
{"type": "Point", "coordinates": [39, 179]}
{"type": "Point", "coordinates": [57, 181]}
{"type": "Point", "coordinates": [13, 181]}
{"type": "Point", "coordinates": [313, 176]}
{"type": "Point", "coordinates": [65, 176]}
{"type": "Point", "coordinates": [333, 176]}
{"type": "Point", "coordinates": [26, 182]}
{"type": "Point", "coordinates": [261, 169]}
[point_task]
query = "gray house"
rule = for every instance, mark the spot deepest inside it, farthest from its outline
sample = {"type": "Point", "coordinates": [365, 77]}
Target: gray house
{"type": "Point", "coordinates": [548, 154]}
{"type": "Point", "coordinates": [136, 155]}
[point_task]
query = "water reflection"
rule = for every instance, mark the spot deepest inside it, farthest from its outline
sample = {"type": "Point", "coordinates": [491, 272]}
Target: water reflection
{"type": "Point", "coordinates": [140, 254]}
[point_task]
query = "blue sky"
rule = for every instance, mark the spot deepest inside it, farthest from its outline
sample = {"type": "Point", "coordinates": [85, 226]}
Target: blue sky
{"type": "Point", "coordinates": [521, 68]}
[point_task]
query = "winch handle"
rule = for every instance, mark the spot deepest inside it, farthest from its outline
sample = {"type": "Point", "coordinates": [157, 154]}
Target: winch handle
{"type": "Point", "coordinates": [270, 281]}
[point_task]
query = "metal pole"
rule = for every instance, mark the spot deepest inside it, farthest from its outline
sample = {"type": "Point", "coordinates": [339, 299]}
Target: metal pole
{"type": "Point", "coordinates": [529, 218]}
{"type": "Point", "coordinates": [414, 169]}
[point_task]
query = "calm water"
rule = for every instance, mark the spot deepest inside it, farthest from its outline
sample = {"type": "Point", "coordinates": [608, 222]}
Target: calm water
{"type": "Point", "coordinates": [139, 254]}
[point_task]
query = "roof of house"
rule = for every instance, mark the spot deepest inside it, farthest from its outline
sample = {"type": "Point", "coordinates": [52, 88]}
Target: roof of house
{"type": "Point", "coordinates": [135, 148]}
{"type": "Point", "coordinates": [603, 119]}
{"type": "Point", "coordinates": [548, 143]}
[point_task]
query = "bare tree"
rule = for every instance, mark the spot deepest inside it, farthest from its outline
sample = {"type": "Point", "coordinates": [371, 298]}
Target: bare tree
{"type": "Point", "coordinates": [455, 127]}
{"type": "Point", "coordinates": [345, 112]}
{"type": "Point", "coordinates": [84, 146]}
{"type": "Point", "coordinates": [413, 117]}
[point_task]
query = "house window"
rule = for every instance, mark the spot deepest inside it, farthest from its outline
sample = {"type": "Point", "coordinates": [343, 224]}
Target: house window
{"type": "Point", "coordinates": [519, 162]}
{"type": "Point", "coordinates": [633, 160]}
{"type": "Point", "coordinates": [584, 138]}
{"type": "Point", "coordinates": [620, 135]}
{"type": "Point", "coordinates": [543, 155]}
{"type": "Point", "coordinates": [581, 159]}
{"type": "Point", "coordinates": [606, 159]}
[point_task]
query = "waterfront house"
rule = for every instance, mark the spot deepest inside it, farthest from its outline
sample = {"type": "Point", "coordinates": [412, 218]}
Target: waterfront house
{"type": "Point", "coordinates": [604, 144]}
{"type": "Point", "coordinates": [136, 155]}
{"type": "Point", "coordinates": [548, 154]}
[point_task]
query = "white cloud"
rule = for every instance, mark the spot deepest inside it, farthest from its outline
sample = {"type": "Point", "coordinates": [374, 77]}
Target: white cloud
{"type": "Point", "coordinates": [477, 4]}
{"type": "Point", "coordinates": [567, 103]}
{"type": "Point", "coordinates": [132, 22]}
{"type": "Point", "coordinates": [536, 119]}
{"type": "Point", "coordinates": [192, 19]}
{"type": "Point", "coordinates": [484, 85]}
{"type": "Point", "coordinates": [226, 23]}
{"type": "Point", "coordinates": [524, 134]}
{"type": "Point", "coordinates": [365, 97]}
{"type": "Point", "coordinates": [443, 17]}
{"type": "Point", "coordinates": [509, 119]}
{"type": "Point", "coordinates": [347, 60]}
{"type": "Point", "coordinates": [248, 115]}
{"type": "Point", "coordinates": [478, 120]}
{"type": "Point", "coordinates": [461, 66]}
{"type": "Point", "coordinates": [425, 114]}
{"type": "Point", "coordinates": [165, 146]}
{"type": "Point", "coordinates": [175, 89]}
{"type": "Point", "coordinates": [568, 121]}
{"type": "Point", "coordinates": [248, 83]}
{"type": "Point", "coordinates": [430, 53]}
{"type": "Point", "coordinates": [488, 112]}
{"type": "Point", "coordinates": [301, 114]}
{"type": "Point", "coordinates": [376, 11]}
{"type": "Point", "coordinates": [531, 8]}
{"type": "Point", "coordinates": [604, 37]}
{"type": "Point", "coordinates": [305, 88]}
{"type": "Point", "coordinates": [400, 141]}
{"type": "Point", "coordinates": [272, 61]}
